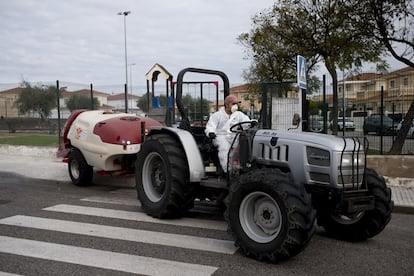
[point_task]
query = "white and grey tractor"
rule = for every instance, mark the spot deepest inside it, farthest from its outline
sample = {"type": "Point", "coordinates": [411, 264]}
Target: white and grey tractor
{"type": "Point", "coordinates": [278, 186]}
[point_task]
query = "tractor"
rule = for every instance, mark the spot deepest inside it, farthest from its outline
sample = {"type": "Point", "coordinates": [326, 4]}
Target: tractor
{"type": "Point", "coordinates": [279, 185]}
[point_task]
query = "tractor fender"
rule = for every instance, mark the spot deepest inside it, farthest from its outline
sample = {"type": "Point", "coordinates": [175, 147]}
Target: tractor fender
{"type": "Point", "coordinates": [195, 162]}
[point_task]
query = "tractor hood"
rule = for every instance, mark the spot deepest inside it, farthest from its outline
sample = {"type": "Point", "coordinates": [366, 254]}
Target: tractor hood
{"type": "Point", "coordinates": [332, 142]}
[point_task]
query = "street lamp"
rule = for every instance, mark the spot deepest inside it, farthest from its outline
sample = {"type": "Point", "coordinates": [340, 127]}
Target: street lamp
{"type": "Point", "coordinates": [130, 77]}
{"type": "Point", "coordinates": [125, 13]}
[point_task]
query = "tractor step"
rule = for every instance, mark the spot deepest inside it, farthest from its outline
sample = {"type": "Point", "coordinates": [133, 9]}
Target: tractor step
{"type": "Point", "coordinates": [214, 182]}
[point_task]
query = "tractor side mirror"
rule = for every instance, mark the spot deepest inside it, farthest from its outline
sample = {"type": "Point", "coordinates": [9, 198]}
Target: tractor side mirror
{"type": "Point", "coordinates": [296, 120]}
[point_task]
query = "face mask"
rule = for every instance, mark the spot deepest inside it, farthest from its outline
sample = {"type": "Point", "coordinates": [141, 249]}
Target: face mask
{"type": "Point", "coordinates": [234, 108]}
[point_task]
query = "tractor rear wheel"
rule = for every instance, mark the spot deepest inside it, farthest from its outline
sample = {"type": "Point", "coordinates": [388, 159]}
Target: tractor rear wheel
{"type": "Point", "coordinates": [161, 177]}
{"type": "Point", "coordinates": [365, 224]}
{"type": "Point", "coordinates": [269, 216]}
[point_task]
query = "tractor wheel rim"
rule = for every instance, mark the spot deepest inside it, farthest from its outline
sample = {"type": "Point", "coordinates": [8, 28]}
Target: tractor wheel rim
{"type": "Point", "coordinates": [260, 217]}
{"type": "Point", "coordinates": [74, 169]}
{"type": "Point", "coordinates": [153, 177]}
{"type": "Point", "coordinates": [348, 219]}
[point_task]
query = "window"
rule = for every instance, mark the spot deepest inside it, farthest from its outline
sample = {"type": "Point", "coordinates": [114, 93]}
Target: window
{"type": "Point", "coordinates": [361, 95]}
{"type": "Point", "coordinates": [392, 84]}
{"type": "Point", "coordinates": [405, 81]}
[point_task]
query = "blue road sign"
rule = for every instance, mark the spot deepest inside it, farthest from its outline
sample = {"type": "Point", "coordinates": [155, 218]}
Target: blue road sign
{"type": "Point", "coordinates": [301, 65]}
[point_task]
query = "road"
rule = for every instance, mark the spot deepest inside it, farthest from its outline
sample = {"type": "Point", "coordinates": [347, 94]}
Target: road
{"type": "Point", "coordinates": [54, 228]}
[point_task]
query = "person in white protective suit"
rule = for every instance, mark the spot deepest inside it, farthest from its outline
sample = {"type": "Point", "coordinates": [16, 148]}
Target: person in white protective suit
{"type": "Point", "coordinates": [219, 124]}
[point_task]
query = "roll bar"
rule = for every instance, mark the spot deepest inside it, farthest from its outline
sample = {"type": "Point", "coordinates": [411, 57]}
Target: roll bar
{"type": "Point", "coordinates": [180, 77]}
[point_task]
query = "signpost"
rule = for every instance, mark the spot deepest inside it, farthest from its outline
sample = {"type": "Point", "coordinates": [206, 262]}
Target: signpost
{"type": "Point", "coordinates": [301, 76]}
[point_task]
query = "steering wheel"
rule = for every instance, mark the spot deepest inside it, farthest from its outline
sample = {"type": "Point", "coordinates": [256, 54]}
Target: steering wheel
{"type": "Point", "coordinates": [237, 128]}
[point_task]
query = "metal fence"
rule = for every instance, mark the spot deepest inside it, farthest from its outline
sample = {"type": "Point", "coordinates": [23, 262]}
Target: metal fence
{"type": "Point", "coordinates": [361, 98]}
{"type": "Point", "coordinates": [375, 103]}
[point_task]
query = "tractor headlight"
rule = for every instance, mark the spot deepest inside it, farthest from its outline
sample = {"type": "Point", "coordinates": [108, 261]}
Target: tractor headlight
{"type": "Point", "coordinates": [318, 157]}
{"type": "Point", "coordinates": [350, 160]}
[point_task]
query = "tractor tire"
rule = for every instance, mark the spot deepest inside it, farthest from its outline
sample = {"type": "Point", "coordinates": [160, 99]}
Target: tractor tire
{"type": "Point", "coordinates": [161, 177]}
{"type": "Point", "coordinates": [269, 216]}
{"type": "Point", "coordinates": [361, 225]}
{"type": "Point", "coordinates": [80, 172]}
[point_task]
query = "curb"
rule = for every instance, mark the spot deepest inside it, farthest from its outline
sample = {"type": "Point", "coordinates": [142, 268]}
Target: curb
{"type": "Point", "coordinates": [403, 209]}
{"type": "Point", "coordinates": [407, 183]}
{"type": "Point", "coordinates": [45, 152]}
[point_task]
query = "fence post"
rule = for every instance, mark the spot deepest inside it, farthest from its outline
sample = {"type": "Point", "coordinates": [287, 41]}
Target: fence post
{"type": "Point", "coordinates": [58, 108]}
{"type": "Point", "coordinates": [126, 98]}
{"type": "Point", "coordinates": [325, 106]}
{"type": "Point", "coordinates": [91, 96]}
{"type": "Point", "coordinates": [382, 120]}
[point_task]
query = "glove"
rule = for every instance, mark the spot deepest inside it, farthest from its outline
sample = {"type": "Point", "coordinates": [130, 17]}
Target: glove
{"type": "Point", "coordinates": [212, 135]}
{"type": "Point", "coordinates": [254, 123]}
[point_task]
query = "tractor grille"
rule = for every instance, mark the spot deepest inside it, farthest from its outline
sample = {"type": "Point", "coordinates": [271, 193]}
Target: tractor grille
{"type": "Point", "coordinates": [353, 163]}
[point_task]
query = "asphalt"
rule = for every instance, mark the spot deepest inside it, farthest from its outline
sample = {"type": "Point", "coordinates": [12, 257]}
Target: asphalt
{"type": "Point", "coordinates": [41, 163]}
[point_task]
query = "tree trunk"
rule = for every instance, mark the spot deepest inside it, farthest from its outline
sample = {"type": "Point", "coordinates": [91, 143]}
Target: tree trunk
{"type": "Point", "coordinates": [330, 66]}
{"type": "Point", "coordinates": [402, 133]}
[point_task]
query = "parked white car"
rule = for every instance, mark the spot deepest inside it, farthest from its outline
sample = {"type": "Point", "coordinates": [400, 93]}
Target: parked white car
{"type": "Point", "coordinates": [316, 124]}
{"type": "Point", "coordinates": [410, 133]}
{"type": "Point", "coordinates": [349, 124]}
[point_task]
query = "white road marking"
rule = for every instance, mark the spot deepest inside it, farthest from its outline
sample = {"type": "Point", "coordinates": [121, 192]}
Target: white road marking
{"type": "Point", "coordinates": [99, 258]}
{"type": "Point", "coordinates": [135, 235]}
{"type": "Point", "coordinates": [2, 273]}
{"type": "Point", "coordinates": [109, 200]}
{"type": "Point", "coordinates": [137, 216]}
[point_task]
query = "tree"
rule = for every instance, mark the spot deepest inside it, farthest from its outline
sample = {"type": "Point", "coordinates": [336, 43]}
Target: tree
{"type": "Point", "coordinates": [39, 99]}
{"type": "Point", "coordinates": [313, 85]}
{"type": "Point", "coordinates": [327, 28]}
{"type": "Point", "coordinates": [143, 103]}
{"type": "Point", "coordinates": [392, 23]}
{"type": "Point", "coordinates": [79, 101]}
{"type": "Point", "coordinates": [315, 107]}
{"type": "Point", "coordinates": [272, 61]}
{"type": "Point", "coordinates": [194, 106]}
{"type": "Point", "coordinates": [324, 30]}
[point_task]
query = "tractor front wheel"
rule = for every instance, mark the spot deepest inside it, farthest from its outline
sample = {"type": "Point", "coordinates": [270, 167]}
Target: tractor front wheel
{"type": "Point", "coordinates": [269, 216]}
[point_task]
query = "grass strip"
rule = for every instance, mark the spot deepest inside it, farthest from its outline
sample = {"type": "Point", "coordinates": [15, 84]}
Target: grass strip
{"type": "Point", "coordinates": [30, 140]}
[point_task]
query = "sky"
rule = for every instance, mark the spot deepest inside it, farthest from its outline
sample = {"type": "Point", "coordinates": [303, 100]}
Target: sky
{"type": "Point", "coordinates": [82, 41]}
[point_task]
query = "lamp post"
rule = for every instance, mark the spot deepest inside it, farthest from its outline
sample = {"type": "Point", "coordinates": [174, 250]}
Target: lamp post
{"type": "Point", "coordinates": [130, 77]}
{"type": "Point", "coordinates": [125, 13]}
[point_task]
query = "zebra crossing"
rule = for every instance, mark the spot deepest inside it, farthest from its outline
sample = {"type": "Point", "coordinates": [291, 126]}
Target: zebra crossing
{"type": "Point", "coordinates": [116, 261]}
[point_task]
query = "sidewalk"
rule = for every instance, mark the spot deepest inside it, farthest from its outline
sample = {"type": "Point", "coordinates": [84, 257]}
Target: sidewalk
{"type": "Point", "coordinates": [41, 163]}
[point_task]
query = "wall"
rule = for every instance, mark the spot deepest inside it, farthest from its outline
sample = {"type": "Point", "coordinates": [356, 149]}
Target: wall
{"type": "Point", "coordinates": [392, 165]}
